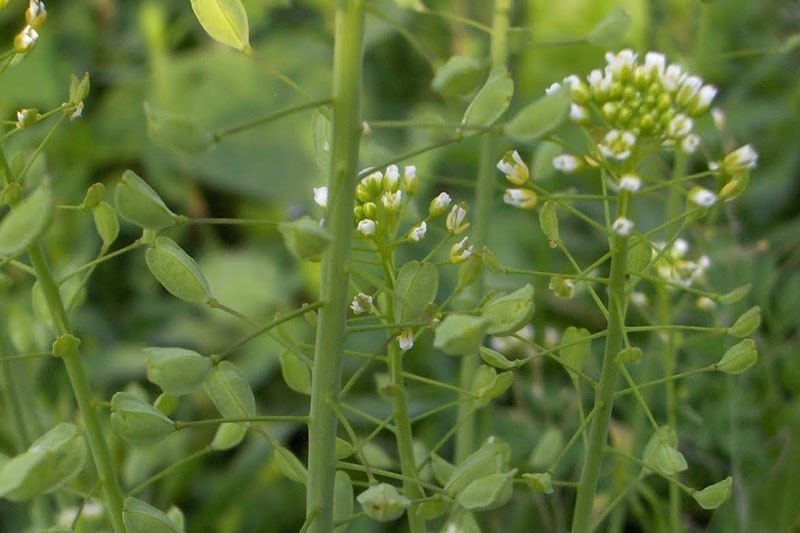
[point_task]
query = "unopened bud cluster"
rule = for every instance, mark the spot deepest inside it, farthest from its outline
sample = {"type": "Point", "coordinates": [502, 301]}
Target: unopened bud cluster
{"type": "Point", "coordinates": [516, 172]}
{"type": "Point", "coordinates": [673, 266]}
{"type": "Point", "coordinates": [380, 197]}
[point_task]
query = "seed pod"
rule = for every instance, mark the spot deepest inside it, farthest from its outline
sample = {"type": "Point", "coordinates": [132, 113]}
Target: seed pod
{"type": "Point", "coordinates": [383, 502]}
{"type": "Point", "coordinates": [714, 495]}
{"type": "Point", "coordinates": [460, 334]}
{"type": "Point", "coordinates": [414, 289]}
{"type": "Point", "coordinates": [78, 88]}
{"type": "Point", "coordinates": [140, 517]}
{"type": "Point", "coordinates": [575, 349]}
{"type": "Point", "coordinates": [228, 436]}
{"type": "Point", "coordinates": [166, 403]}
{"type": "Point", "coordinates": [94, 195]}
{"type": "Point", "coordinates": [492, 100]}
{"type": "Point", "coordinates": [176, 370]}
{"type": "Point", "coordinates": [495, 358]}
{"type": "Point", "coordinates": [305, 238]}
{"type": "Point", "coordinates": [747, 323]}
{"type": "Point", "coordinates": [139, 204]}
{"type": "Point", "coordinates": [177, 271]}
{"type": "Point", "coordinates": [230, 392]}
{"type": "Point", "coordinates": [547, 449]}
{"type": "Point", "coordinates": [491, 458]}
{"type": "Point", "coordinates": [106, 222]}
{"type": "Point", "coordinates": [52, 460]}
{"type": "Point", "coordinates": [459, 77]}
{"type": "Point", "coordinates": [735, 295]}
{"type": "Point", "coordinates": [26, 222]}
{"type": "Point", "coordinates": [225, 21]}
{"type": "Point", "coordinates": [289, 465]}
{"type": "Point", "coordinates": [540, 482]}
{"type": "Point", "coordinates": [295, 373]}
{"type": "Point", "coordinates": [489, 492]}
{"type": "Point", "coordinates": [738, 358]}
{"type": "Point", "coordinates": [629, 355]}
{"type": "Point", "coordinates": [488, 384]}
{"type": "Point", "coordinates": [507, 314]}
{"type": "Point", "coordinates": [540, 118]}
{"type": "Point", "coordinates": [548, 220]}
{"type": "Point", "coordinates": [342, 497]}
{"type": "Point", "coordinates": [137, 421]}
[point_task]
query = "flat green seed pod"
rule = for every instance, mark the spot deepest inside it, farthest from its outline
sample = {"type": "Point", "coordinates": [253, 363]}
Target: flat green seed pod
{"type": "Point", "coordinates": [177, 271]}
{"type": "Point", "coordinates": [26, 221]}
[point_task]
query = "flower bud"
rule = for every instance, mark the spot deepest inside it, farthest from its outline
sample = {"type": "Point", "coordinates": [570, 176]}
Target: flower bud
{"type": "Point", "coordinates": [740, 160]}
{"type": "Point", "coordinates": [362, 303]}
{"type": "Point", "coordinates": [406, 339]}
{"type": "Point", "coordinates": [439, 204]}
{"type": "Point", "coordinates": [391, 178]}
{"type": "Point", "coordinates": [25, 40]}
{"type": "Point", "coordinates": [36, 14]}
{"type": "Point", "coordinates": [457, 219]}
{"type": "Point", "coordinates": [521, 198]}
{"type": "Point", "coordinates": [392, 200]}
{"type": "Point", "coordinates": [27, 117]}
{"type": "Point", "coordinates": [410, 181]}
{"type": "Point", "coordinates": [417, 233]}
{"type": "Point", "coordinates": [460, 251]}
{"type": "Point", "coordinates": [367, 227]}
{"type": "Point", "coordinates": [514, 168]}
{"type": "Point", "coordinates": [622, 226]}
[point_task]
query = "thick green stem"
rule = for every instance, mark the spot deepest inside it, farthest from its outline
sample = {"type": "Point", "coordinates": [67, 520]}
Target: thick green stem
{"type": "Point", "coordinates": [604, 396]}
{"type": "Point", "coordinates": [80, 387]}
{"type": "Point", "coordinates": [405, 443]}
{"type": "Point", "coordinates": [484, 196]}
{"type": "Point", "coordinates": [327, 370]}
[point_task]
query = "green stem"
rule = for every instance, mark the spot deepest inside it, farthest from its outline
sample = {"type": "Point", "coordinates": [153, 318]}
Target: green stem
{"type": "Point", "coordinates": [250, 124]}
{"type": "Point", "coordinates": [604, 396]}
{"type": "Point", "coordinates": [83, 394]}
{"type": "Point", "coordinates": [484, 199]}
{"type": "Point", "coordinates": [331, 323]}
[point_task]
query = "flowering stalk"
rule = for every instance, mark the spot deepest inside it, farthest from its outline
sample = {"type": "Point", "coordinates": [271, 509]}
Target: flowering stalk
{"type": "Point", "coordinates": [327, 369]}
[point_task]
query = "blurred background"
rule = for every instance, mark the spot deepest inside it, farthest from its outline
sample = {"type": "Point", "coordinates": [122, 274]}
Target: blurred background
{"type": "Point", "coordinates": [154, 51]}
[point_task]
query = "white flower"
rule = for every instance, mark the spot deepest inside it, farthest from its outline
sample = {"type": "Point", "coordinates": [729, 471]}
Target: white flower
{"type": "Point", "coordinates": [514, 168]}
{"type": "Point", "coordinates": [639, 299]}
{"type": "Point", "coordinates": [367, 227]}
{"type": "Point", "coordinates": [410, 180]}
{"type": "Point", "coordinates": [702, 101]}
{"type": "Point", "coordinates": [456, 219]}
{"type": "Point", "coordinates": [391, 200]}
{"type": "Point", "coordinates": [630, 182]}
{"type": "Point", "coordinates": [578, 113]}
{"type": "Point", "coordinates": [679, 126]}
{"type": "Point", "coordinates": [439, 204]}
{"type": "Point", "coordinates": [391, 178]}
{"type": "Point", "coordinates": [566, 163]}
{"type": "Point", "coordinates": [618, 144]}
{"type": "Point", "coordinates": [362, 303]}
{"type": "Point", "coordinates": [672, 78]}
{"type": "Point", "coordinates": [417, 233]}
{"type": "Point", "coordinates": [621, 63]}
{"type": "Point", "coordinates": [702, 197]}
{"type": "Point", "coordinates": [321, 196]}
{"type": "Point", "coordinates": [740, 160]}
{"type": "Point", "coordinates": [406, 339]}
{"type": "Point", "coordinates": [25, 40]}
{"type": "Point", "coordinates": [460, 251]}
{"type": "Point", "coordinates": [689, 88]}
{"type": "Point", "coordinates": [719, 118]}
{"type": "Point", "coordinates": [655, 62]}
{"type": "Point", "coordinates": [522, 198]}
{"type": "Point", "coordinates": [622, 226]}
{"type": "Point", "coordinates": [77, 112]}
{"type": "Point", "coordinates": [554, 88]}
{"type": "Point", "coordinates": [690, 143]}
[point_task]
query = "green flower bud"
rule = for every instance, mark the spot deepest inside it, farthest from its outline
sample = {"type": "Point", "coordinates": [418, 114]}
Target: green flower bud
{"type": "Point", "coordinates": [176, 370]}
{"type": "Point", "coordinates": [139, 204]}
{"type": "Point", "coordinates": [383, 502]}
{"type": "Point", "coordinates": [738, 358]}
{"type": "Point", "coordinates": [137, 421]}
{"type": "Point", "coordinates": [746, 324]}
{"type": "Point", "coordinates": [177, 271]}
{"type": "Point", "coordinates": [563, 287]}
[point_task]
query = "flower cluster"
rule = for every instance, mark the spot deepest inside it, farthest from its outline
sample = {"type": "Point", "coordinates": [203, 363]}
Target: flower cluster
{"type": "Point", "coordinates": [516, 172]}
{"type": "Point", "coordinates": [673, 267]}
{"type": "Point", "coordinates": [35, 16]}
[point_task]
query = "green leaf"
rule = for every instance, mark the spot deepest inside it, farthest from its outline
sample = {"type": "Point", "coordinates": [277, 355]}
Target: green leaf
{"type": "Point", "coordinates": [106, 222]}
{"type": "Point", "coordinates": [738, 358]}
{"type": "Point", "coordinates": [51, 461]}
{"type": "Point", "coordinates": [548, 220]}
{"type": "Point", "coordinates": [230, 392]}
{"type": "Point", "coordinates": [175, 132]}
{"type": "Point", "coordinates": [137, 421]}
{"type": "Point", "coordinates": [177, 371]}
{"type": "Point", "coordinates": [305, 238]}
{"type": "Point", "coordinates": [714, 495]}
{"type": "Point", "coordinates": [140, 517]}
{"type": "Point", "coordinates": [289, 465]}
{"type": "Point", "coordinates": [139, 204]}
{"type": "Point", "coordinates": [414, 290]}
{"type": "Point", "coordinates": [295, 373]}
{"type": "Point", "coordinates": [540, 118]}
{"type": "Point", "coordinates": [460, 76]}
{"type": "Point", "coordinates": [27, 221]}
{"type": "Point", "coordinates": [460, 334]}
{"type": "Point", "coordinates": [611, 29]}
{"type": "Point", "coordinates": [489, 492]}
{"type": "Point", "coordinates": [492, 100]}
{"type": "Point", "coordinates": [507, 314]}
{"type": "Point", "coordinates": [225, 21]}
{"type": "Point", "coordinates": [383, 502]}
{"type": "Point", "coordinates": [576, 346]}
{"type": "Point", "coordinates": [177, 271]}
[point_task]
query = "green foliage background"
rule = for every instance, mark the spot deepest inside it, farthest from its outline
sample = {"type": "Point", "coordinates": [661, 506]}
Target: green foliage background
{"type": "Point", "coordinates": [155, 51]}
